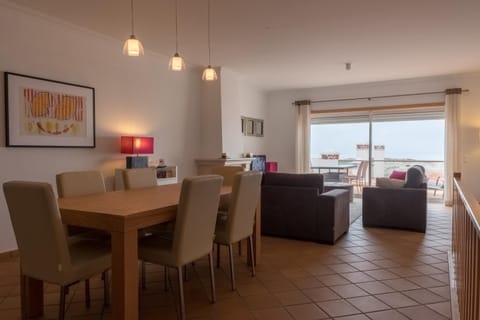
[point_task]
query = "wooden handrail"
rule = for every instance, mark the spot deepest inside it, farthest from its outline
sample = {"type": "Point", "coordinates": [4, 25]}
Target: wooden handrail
{"type": "Point", "coordinates": [464, 260]}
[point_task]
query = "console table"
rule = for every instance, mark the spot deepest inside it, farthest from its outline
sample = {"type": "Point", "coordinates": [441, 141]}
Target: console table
{"type": "Point", "coordinates": [204, 166]}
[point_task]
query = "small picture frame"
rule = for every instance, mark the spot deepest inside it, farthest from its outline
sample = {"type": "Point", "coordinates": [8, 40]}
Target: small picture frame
{"type": "Point", "coordinates": [48, 113]}
{"type": "Point", "coordinates": [252, 127]}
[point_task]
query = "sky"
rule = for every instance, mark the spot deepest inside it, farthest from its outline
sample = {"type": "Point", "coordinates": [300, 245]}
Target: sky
{"type": "Point", "coordinates": [419, 139]}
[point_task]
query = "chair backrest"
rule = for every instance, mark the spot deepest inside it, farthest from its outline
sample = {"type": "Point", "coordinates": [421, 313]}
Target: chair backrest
{"type": "Point", "coordinates": [38, 229]}
{"type": "Point", "coordinates": [244, 201]}
{"type": "Point", "coordinates": [79, 183]}
{"type": "Point", "coordinates": [196, 218]}
{"type": "Point", "coordinates": [140, 178]}
{"type": "Point", "coordinates": [362, 169]}
{"type": "Point", "coordinates": [227, 172]}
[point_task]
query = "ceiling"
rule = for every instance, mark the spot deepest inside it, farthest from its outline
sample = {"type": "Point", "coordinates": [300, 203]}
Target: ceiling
{"type": "Point", "coordinates": [279, 44]}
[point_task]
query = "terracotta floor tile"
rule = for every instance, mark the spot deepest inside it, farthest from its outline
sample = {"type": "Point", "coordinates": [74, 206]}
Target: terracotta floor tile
{"type": "Point", "coordinates": [386, 315]}
{"type": "Point", "coordinates": [353, 317]}
{"type": "Point", "coordinates": [349, 291]}
{"type": "Point", "coordinates": [368, 304]}
{"type": "Point", "coordinates": [338, 308]}
{"type": "Point", "coordinates": [442, 307]}
{"type": "Point", "coordinates": [396, 300]}
{"type": "Point", "coordinates": [274, 286]}
{"type": "Point", "coordinates": [381, 274]}
{"type": "Point", "coordinates": [357, 277]}
{"type": "Point", "coordinates": [375, 287]}
{"type": "Point", "coordinates": [441, 291]}
{"type": "Point", "coordinates": [426, 281]}
{"type": "Point", "coordinates": [291, 298]}
{"type": "Point", "coordinates": [272, 314]}
{"type": "Point", "coordinates": [342, 267]}
{"type": "Point", "coordinates": [421, 313]}
{"type": "Point", "coordinates": [306, 312]}
{"type": "Point", "coordinates": [307, 283]}
{"type": "Point", "coordinates": [364, 266]}
{"type": "Point", "coordinates": [261, 301]}
{"type": "Point", "coordinates": [333, 280]}
{"type": "Point", "coordinates": [424, 296]}
{"type": "Point", "coordinates": [321, 294]}
{"type": "Point", "coordinates": [400, 284]}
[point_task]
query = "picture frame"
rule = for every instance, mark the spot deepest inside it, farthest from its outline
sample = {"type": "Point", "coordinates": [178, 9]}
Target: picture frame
{"type": "Point", "coordinates": [48, 113]}
{"type": "Point", "coordinates": [252, 127]}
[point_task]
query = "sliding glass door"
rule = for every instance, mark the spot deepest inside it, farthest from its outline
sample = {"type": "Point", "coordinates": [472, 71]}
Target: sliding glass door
{"type": "Point", "coordinates": [386, 140]}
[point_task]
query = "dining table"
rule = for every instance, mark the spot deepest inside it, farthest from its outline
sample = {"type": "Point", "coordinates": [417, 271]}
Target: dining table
{"type": "Point", "coordinates": [122, 214]}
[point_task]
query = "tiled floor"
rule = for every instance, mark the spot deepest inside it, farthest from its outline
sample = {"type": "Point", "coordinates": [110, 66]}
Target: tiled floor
{"type": "Point", "coordinates": [376, 274]}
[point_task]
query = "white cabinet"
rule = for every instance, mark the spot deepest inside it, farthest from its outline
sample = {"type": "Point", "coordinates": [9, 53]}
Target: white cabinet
{"type": "Point", "coordinates": [165, 175]}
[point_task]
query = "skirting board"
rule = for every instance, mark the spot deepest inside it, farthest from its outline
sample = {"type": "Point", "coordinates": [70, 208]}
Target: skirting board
{"type": "Point", "coordinates": [453, 288]}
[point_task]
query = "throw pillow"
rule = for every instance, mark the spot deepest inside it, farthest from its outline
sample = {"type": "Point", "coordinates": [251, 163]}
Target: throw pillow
{"type": "Point", "coordinates": [389, 183]}
{"type": "Point", "coordinates": [400, 175]}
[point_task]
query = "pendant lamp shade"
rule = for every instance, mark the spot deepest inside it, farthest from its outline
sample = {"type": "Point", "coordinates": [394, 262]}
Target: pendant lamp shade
{"type": "Point", "coordinates": [176, 63]}
{"type": "Point", "coordinates": [133, 47]}
{"type": "Point", "coordinates": [209, 74]}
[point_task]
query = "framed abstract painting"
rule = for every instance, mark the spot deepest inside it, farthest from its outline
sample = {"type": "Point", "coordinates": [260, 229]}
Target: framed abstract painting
{"type": "Point", "coordinates": [47, 113]}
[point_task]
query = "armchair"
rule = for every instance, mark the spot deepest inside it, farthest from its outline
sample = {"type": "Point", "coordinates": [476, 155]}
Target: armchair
{"type": "Point", "coordinates": [403, 207]}
{"type": "Point", "coordinates": [294, 206]}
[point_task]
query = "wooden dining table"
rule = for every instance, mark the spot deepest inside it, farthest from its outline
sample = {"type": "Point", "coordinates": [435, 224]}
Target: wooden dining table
{"type": "Point", "coordinates": [122, 213]}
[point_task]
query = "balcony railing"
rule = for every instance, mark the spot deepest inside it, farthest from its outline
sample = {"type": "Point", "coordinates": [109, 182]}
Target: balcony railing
{"type": "Point", "coordinates": [464, 260]}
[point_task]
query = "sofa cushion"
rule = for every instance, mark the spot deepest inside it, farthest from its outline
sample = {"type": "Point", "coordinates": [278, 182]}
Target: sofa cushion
{"type": "Point", "coordinates": [307, 180]}
{"type": "Point", "coordinates": [400, 175]}
{"type": "Point", "coordinates": [389, 183]}
{"type": "Point", "coordinates": [415, 177]}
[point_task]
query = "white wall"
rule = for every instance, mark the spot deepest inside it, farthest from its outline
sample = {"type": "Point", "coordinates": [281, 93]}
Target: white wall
{"type": "Point", "coordinates": [281, 114]}
{"type": "Point", "coordinates": [133, 96]}
{"type": "Point", "coordinates": [239, 98]}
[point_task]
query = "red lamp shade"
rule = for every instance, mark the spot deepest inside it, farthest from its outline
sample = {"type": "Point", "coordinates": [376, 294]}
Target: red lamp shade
{"type": "Point", "coordinates": [136, 145]}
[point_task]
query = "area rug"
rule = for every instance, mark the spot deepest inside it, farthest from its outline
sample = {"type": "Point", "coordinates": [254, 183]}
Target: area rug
{"type": "Point", "coordinates": [355, 210]}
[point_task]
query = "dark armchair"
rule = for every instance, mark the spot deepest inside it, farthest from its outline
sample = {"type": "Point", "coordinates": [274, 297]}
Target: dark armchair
{"type": "Point", "coordinates": [401, 208]}
{"type": "Point", "coordinates": [294, 206]}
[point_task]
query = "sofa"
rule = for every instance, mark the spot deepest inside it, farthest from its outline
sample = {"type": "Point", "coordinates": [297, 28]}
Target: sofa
{"type": "Point", "coordinates": [295, 206]}
{"type": "Point", "coordinates": [398, 204]}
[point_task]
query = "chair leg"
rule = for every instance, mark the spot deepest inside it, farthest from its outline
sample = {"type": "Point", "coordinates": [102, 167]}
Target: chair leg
{"type": "Point", "coordinates": [61, 307]}
{"type": "Point", "coordinates": [218, 255]}
{"type": "Point", "coordinates": [180, 293]}
{"type": "Point", "coordinates": [106, 289]}
{"type": "Point", "coordinates": [232, 273]}
{"type": "Point", "coordinates": [87, 293]}
{"type": "Point", "coordinates": [165, 272]}
{"type": "Point", "coordinates": [212, 277]}
{"type": "Point", "coordinates": [252, 256]}
{"type": "Point", "coordinates": [143, 276]}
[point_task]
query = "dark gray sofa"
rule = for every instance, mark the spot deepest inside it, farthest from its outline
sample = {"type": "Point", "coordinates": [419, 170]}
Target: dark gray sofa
{"type": "Point", "coordinates": [401, 208]}
{"type": "Point", "coordinates": [294, 206]}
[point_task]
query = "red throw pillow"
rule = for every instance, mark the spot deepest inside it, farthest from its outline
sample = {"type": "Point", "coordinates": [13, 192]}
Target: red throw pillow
{"type": "Point", "coordinates": [400, 175]}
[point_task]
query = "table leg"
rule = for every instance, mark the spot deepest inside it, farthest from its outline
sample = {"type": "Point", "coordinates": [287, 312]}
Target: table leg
{"type": "Point", "coordinates": [124, 275]}
{"type": "Point", "coordinates": [31, 293]}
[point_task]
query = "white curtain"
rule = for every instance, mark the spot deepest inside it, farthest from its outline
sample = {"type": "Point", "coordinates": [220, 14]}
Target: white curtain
{"type": "Point", "coordinates": [302, 162]}
{"type": "Point", "coordinates": [452, 149]}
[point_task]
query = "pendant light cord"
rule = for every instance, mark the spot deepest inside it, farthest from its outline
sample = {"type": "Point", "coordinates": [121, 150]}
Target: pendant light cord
{"type": "Point", "coordinates": [133, 24]}
{"type": "Point", "coordinates": [209, 54]}
{"type": "Point", "coordinates": [176, 26]}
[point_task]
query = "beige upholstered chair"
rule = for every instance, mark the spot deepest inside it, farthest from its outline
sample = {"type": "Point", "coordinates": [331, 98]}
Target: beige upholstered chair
{"type": "Point", "coordinates": [194, 231]}
{"type": "Point", "coordinates": [237, 224]}
{"type": "Point", "coordinates": [228, 174]}
{"type": "Point", "coordinates": [139, 178]}
{"type": "Point", "coordinates": [80, 183]}
{"type": "Point", "coordinates": [45, 252]}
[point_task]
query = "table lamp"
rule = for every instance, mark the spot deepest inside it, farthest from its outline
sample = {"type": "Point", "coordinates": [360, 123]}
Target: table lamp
{"type": "Point", "coordinates": [136, 145]}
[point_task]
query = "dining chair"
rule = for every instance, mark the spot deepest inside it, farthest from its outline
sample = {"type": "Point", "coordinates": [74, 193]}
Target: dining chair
{"type": "Point", "coordinates": [237, 224]}
{"type": "Point", "coordinates": [139, 178]}
{"type": "Point", "coordinates": [45, 251]}
{"type": "Point", "coordinates": [143, 178]}
{"type": "Point", "coordinates": [359, 179]}
{"type": "Point", "coordinates": [193, 234]}
{"type": "Point", "coordinates": [80, 183]}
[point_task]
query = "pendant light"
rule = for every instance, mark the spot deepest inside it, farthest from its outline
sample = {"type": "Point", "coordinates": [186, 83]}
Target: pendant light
{"type": "Point", "coordinates": [209, 74]}
{"type": "Point", "coordinates": [133, 47]}
{"type": "Point", "coordinates": [176, 63]}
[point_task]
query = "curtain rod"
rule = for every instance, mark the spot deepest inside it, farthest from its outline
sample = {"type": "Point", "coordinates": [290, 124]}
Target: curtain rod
{"type": "Point", "coordinates": [447, 91]}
